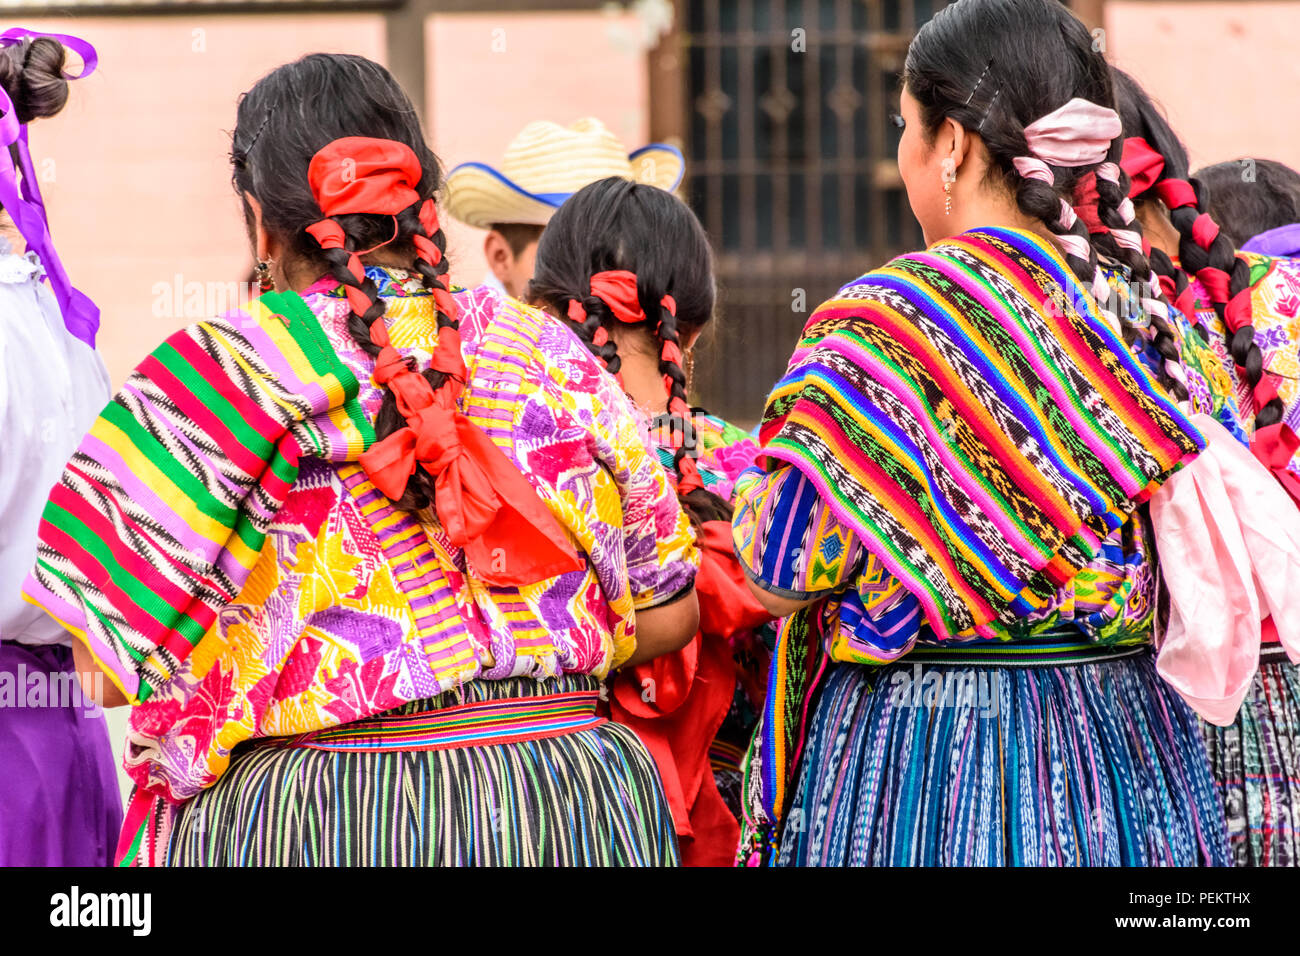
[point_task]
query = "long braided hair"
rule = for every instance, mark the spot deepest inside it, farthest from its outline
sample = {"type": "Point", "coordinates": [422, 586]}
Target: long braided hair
{"type": "Point", "coordinates": [1204, 250]}
{"type": "Point", "coordinates": [619, 226]}
{"type": "Point", "coordinates": [283, 121]}
{"type": "Point", "coordinates": [995, 67]}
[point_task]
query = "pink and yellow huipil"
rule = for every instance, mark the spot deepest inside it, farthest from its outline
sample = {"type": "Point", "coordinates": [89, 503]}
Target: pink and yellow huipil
{"type": "Point", "coordinates": [258, 585]}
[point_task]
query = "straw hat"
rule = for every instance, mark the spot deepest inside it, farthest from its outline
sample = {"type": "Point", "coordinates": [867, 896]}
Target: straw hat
{"type": "Point", "coordinates": [545, 165]}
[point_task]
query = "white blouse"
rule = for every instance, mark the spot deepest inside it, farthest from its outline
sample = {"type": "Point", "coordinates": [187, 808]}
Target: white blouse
{"type": "Point", "coordinates": [52, 387]}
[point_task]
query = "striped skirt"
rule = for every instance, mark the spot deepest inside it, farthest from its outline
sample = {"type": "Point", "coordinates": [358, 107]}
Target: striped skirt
{"type": "Point", "coordinates": [951, 764]}
{"type": "Point", "coordinates": [1256, 761]}
{"type": "Point", "coordinates": [512, 772]}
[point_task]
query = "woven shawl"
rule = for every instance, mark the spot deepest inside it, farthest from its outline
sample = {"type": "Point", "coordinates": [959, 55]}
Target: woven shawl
{"type": "Point", "coordinates": [161, 514]}
{"type": "Point", "coordinates": [967, 412]}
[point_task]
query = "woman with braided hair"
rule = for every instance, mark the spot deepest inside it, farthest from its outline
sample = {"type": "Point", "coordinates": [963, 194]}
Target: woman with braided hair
{"type": "Point", "coordinates": [630, 268]}
{"type": "Point", "coordinates": [362, 552]}
{"type": "Point", "coordinates": [950, 517]}
{"type": "Point", "coordinates": [1230, 649]}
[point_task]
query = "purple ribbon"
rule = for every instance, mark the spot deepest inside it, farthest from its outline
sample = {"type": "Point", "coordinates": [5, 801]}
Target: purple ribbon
{"type": "Point", "coordinates": [22, 199]}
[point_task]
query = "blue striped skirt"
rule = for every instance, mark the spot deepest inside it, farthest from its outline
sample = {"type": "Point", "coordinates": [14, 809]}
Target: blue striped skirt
{"type": "Point", "coordinates": [932, 764]}
{"type": "Point", "coordinates": [514, 772]}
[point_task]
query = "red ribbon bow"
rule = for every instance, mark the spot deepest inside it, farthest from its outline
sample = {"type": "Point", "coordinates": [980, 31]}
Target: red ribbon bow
{"type": "Point", "coordinates": [484, 503]}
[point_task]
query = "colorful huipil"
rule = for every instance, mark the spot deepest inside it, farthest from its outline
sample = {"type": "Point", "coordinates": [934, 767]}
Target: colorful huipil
{"type": "Point", "coordinates": [1211, 382]}
{"type": "Point", "coordinates": [1275, 317]}
{"type": "Point", "coordinates": [695, 708]}
{"type": "Point", "coordinates": [954, 478]}
{"type": "Point", "coordinates": [215, 544]}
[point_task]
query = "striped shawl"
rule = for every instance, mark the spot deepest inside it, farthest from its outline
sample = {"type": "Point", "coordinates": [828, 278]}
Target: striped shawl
{"type": "Point", "coordinates": [162, 512]}
{"type": "Point", "coordinates": [969, 415]}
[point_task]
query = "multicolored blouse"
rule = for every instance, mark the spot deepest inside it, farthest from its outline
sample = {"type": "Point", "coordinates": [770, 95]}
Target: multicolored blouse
{"type": "Point", "coordinates": [344, 607]}
{"type": "Point", "coordinates": [724, 452]}
{"type": "Point", "coordinates": [1211, 384]}
{"type": "Point", "coordinates": [934, 419]}
{"type": "Point", "coordinates": [1275, 315]}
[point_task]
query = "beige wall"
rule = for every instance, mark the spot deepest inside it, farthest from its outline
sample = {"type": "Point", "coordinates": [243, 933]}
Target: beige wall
{"type": "Point", "coordinates": [139, 189]}
{"type": "Point", "coordinates": [1227, 73]}
{"type": "Point", "coordinates": [491, 74]}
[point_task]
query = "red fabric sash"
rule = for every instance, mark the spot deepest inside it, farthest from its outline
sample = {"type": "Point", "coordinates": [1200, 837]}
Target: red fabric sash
{"type": "Point", "coordinates": [677, 702]}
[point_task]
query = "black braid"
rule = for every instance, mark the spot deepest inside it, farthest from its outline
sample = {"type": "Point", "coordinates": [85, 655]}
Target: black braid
{"type": "Point", "coordinates": [1141, 118]}
{"type": "Point", "coordinates": [361, 232]}
{"type": "Point", "coordinates": [700, 504]}
{"type": "Point", "coordinates": [1110, 195]}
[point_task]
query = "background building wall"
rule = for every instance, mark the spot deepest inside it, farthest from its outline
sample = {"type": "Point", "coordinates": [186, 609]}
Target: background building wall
{"type": "Point", "coordinates": [490, 74]}
{"type": "Point", "coordinates": [1227, 73]}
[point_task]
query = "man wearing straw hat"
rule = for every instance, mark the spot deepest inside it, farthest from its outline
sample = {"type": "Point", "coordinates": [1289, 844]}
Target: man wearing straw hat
{"type": "Point", "coordinates": [543, 166]}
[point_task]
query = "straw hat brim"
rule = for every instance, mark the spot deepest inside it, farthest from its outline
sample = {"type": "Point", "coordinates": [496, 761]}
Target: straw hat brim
{"type": "Point", "coordinates": [479, 195]}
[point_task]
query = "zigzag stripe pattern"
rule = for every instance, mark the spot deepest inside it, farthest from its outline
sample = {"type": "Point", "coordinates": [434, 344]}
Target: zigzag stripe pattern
{"type": "Point", "coordinates": [967, 413]}
{"type": "Point", "coordinates": [162, 511]}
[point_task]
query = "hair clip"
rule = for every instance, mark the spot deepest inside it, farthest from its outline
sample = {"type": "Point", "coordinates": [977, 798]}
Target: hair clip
{"type": "Point", "coordinates": [265, 119]}
{"type": "Point", "coordinates": [987, 66]}
{"type": "Point", "coordinates": [989, 109]}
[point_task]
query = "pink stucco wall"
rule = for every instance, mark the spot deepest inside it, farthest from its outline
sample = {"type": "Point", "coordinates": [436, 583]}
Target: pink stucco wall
{"type": "Point", "coordinates": [1228, 73]}
{"type": "Point", "coordinates": [135, 170]}
{"type": "Point", "coordinates": [490, 74]}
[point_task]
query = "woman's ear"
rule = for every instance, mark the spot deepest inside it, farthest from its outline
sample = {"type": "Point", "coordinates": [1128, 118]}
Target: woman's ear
{"type": "Point", "coordinates": [265, 248]}
{"type": "Point", "coordinates": [955, 143]}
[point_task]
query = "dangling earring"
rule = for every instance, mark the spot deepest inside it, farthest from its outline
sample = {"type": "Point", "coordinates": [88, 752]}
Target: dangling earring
{"type": "Point", "coordinates": [690, 371]}
{"type": "Point", "coordinates": [264, 280]}
{"type": "Point", "coordinates": [947, 197]}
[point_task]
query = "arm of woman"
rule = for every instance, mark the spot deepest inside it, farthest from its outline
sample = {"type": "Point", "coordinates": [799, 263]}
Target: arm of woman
{"type": "Point", "coordinates": [793, 552]}
{"type": "Point", "coordinates": [665, 628]}
{"type": "Point", "coordinates": [159, 516]}
{"type": "Point", "coordinates": [94, 680]}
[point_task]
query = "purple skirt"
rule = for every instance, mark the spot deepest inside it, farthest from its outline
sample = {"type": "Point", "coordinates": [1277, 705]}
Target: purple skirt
{"type": "Point", "coordinates": [59, 798]}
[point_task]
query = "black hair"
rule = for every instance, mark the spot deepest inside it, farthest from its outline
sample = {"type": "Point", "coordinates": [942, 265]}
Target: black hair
{"type": "Point", "coordinates": [31, 73]}
{"type": "Point", "coordinates": [1250, 196]}
{"type": "Point", "coordinates": [615, 224]}
{"type": "Point", "coordinates": [996, 66]}
{"type": "Point", "coordinates": [518, 235]}
{"type": "Point", "coordinates": [283, 121]}
{"type": "Point", "coordinates": [1215, 262]}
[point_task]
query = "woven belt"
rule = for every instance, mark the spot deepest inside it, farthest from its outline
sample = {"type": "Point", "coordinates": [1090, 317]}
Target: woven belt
{"type": "Point", "coordinates": [478, 724]}
{"type": "Point", "coordinates": [1026, 654]}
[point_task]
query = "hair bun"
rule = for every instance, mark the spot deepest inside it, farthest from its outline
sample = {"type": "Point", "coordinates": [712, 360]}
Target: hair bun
{"type": "Point", "coordinates": [31, 73]}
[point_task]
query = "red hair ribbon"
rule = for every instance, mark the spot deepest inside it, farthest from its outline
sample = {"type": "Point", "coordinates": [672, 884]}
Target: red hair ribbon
{"type": "Point", "coordinates": [1275, 446]}
{"type": "Point", "coordinates": [1204, 230]}
{"type": "Point", "coordinates": [484, 503]}
{"type": "Point", "coordinates": [689, 479]}
{"type": "Point", "coordinates": [1176, 193]}
{"type": "Point", "coordinates": [1085, 203]}
{"type": "Point", "coordinates": [359, 174]}
{"type": "Point", "coordinates": [1143, 165]}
